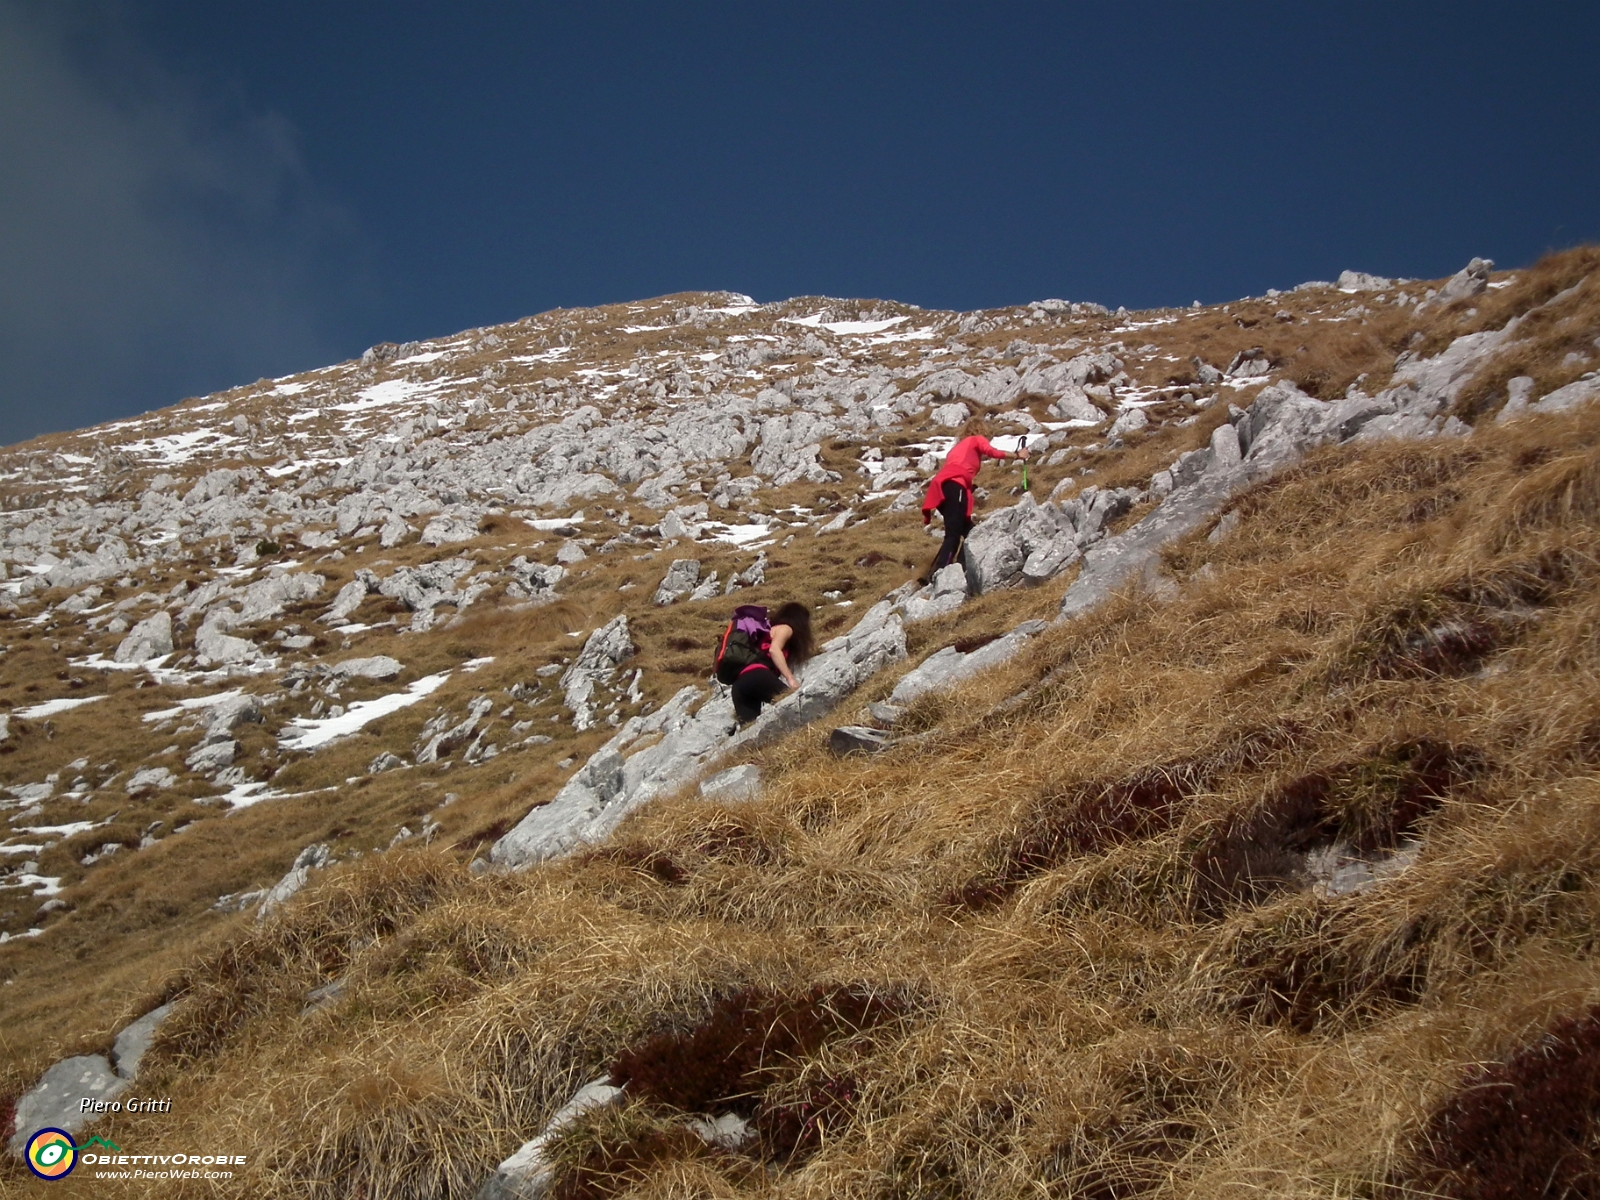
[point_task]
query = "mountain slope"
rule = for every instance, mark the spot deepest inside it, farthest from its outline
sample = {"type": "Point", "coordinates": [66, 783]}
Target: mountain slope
{"type": "Point", "coordinates": [1105, 925]}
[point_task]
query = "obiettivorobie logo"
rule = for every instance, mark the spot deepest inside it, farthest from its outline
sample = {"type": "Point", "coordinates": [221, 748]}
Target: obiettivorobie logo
{"type": "Point", "coordinates": [52, 1153]}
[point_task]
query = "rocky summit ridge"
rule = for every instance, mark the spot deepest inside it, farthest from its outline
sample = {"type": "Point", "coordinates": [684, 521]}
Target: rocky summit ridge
{"type": "Point", "coordinates": [461, 592]}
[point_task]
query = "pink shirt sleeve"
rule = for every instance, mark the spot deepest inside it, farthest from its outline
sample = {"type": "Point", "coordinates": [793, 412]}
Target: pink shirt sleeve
{"type": "Point", "coordinates": [987, 450]}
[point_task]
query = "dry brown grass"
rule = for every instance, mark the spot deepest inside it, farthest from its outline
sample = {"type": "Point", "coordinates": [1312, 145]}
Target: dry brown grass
{"type": "Point", "coordinates": [1118, 1019]}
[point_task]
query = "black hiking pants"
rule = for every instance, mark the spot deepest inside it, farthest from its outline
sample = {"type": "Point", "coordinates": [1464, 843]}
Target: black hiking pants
{"type": "Point", "coordinates": [953, 508]}
{"type": "Point", "coordinates": [753, 688]}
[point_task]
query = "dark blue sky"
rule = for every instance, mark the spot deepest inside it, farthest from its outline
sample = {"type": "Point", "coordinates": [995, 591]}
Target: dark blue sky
{"type": "Point", "coordinates": [195, 194]}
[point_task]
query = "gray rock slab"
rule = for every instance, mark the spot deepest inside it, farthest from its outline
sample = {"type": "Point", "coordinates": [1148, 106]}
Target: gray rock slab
{"type": "Point", "coordinates": [447, 528]}
{"type": "Point", "coordinates": [994, 557]}
{"type": "Point", "coordinates": [1360, 281]}
{"type": "Point", "coordinates": [1471, 280]}
{"type": "Point", "coordinates": [949, 666]}
{"type": "Point", "coordinates": [55, 1101]}
{"type": "Point", "coordinates": [555, 828]}
{"type": "Point", "coordinates": [924, 608]}
{"type": "Point", "coordinates": [1118, 560]}
{"type": "Point", "coordinates": [1579, 391]}
{"type": "Point", "coordinates": [212, 755]}
{"type": "Point", "coordinates": [1518, 390]}
{"type": "Point", "coordinates": [230, 714]}
{"type": "Point", "coordinates": [1426, 385]}
{"type": "Point", "coordinates": [1284, 424]}
{"type": "Point", "coordinates": [949, 581]}
{"type": "Point", "coordinates": [595, 666]}
{"type": "Point", "coordinates": [736, 783]}
{"type": "Point", "coordinates": [214, 646]}
{"type": "Point", "coordinates": [1130, 420]}
{"type": "Point", "coordinates": [129, 1049]}
{"type": "Point", "coordinates": [885, 713]}
{"type": "Point", "coordinates": [529, 1174]}
{"type": "Point", "coordinates": [312, 858]}
{"type": "Point", "coordinates": [857, 739]}
{"type": "Point", "coordinates": [347, 601]}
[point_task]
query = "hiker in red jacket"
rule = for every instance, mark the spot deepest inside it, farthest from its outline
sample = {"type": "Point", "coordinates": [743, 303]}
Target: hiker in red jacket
{"type": "Point", "coordinates": [950, 492]}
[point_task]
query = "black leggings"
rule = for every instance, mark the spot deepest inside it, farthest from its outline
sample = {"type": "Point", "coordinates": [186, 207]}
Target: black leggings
{"type": "Point", "coordinates": [953, 508]}
{"type": "Point", "coordinates": [753, 688]}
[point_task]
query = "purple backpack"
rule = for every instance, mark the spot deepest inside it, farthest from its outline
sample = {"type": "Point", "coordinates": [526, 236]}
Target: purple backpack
{"type": "Point", "coordinates": [744, 642]}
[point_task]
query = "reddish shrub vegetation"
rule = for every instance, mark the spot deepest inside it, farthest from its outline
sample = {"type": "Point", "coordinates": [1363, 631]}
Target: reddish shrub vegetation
{"type": "Point", "coordinates": [748, 1042]}
{"type": "Point", "coordinates": [791, 1132]}
{"type": "Point", "coordinates": [1529, 1126]}
{"type": "Point", "coordinates": [608, 1168]}
{"type": "Point", "coordinates": [1370, 802]}
{"type": "Point", "coordinates": [1087, 819]}
{"type": "Point", "coordinates": [1306, 969]}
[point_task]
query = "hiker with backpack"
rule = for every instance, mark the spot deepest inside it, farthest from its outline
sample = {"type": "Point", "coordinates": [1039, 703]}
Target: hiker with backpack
{"type": "Point", "coordinates": [759, 652]}
{"type": "Point", "coordinates": [950, 491]}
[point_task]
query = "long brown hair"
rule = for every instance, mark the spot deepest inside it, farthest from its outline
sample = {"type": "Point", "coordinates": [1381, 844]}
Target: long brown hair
{"type": "Point", "coordinates": [977, 426]}
{"type": "Point", "coordinates": [798, 618]}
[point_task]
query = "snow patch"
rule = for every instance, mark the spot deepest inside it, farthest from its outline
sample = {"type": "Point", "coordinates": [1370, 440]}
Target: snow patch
{"type": "Point", "coordinates": [51, 707]}
{"type": "Point", "coordinates": [307, 733]}
{"type": "Point", "coordinates": [816, 322]}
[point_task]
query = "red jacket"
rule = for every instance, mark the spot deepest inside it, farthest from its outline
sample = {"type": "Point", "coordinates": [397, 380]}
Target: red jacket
{"type": "Point", "coordinates": [961, 465]}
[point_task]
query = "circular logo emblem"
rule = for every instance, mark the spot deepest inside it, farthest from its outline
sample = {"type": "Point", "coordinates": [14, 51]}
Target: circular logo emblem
{"type": "Point", "coordinates": [51, 1154]}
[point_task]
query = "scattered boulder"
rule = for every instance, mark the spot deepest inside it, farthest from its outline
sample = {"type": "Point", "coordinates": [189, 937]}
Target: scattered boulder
{"type": "Point", "coordinates": [447, 528]}
{"type": "Point", "coordinates": [1248, 364]}
{"type": "Point", "coordinates": [596, 664]}
{"type": "Point", "coordinates": [212, 755]}
{"type": "Point", "coordinates": [312, 858]}
{"type": "Point", "coordinates": [150, 638]}
{"type": "Point", "coordinates": [233, 712]}
{"type": "Point", "coordinates": [533, 581]}
{"type": "Point", "coordinates": [150, 779]}
{"type": "Point", "coordinates": [441, 744]}
{"type": "Point", "coordinates": [1471, 280]}
{"type": "Point", "coordinates": [679, 581]}
{"type": "Point", "coordinates": [1360, 281]}
{"type": "Point", "coordinates": [213, 646]}
{"type": "Point", "coordinates": [379, 666]}
{"type": "Point", "coordinates": [1130, 420]}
